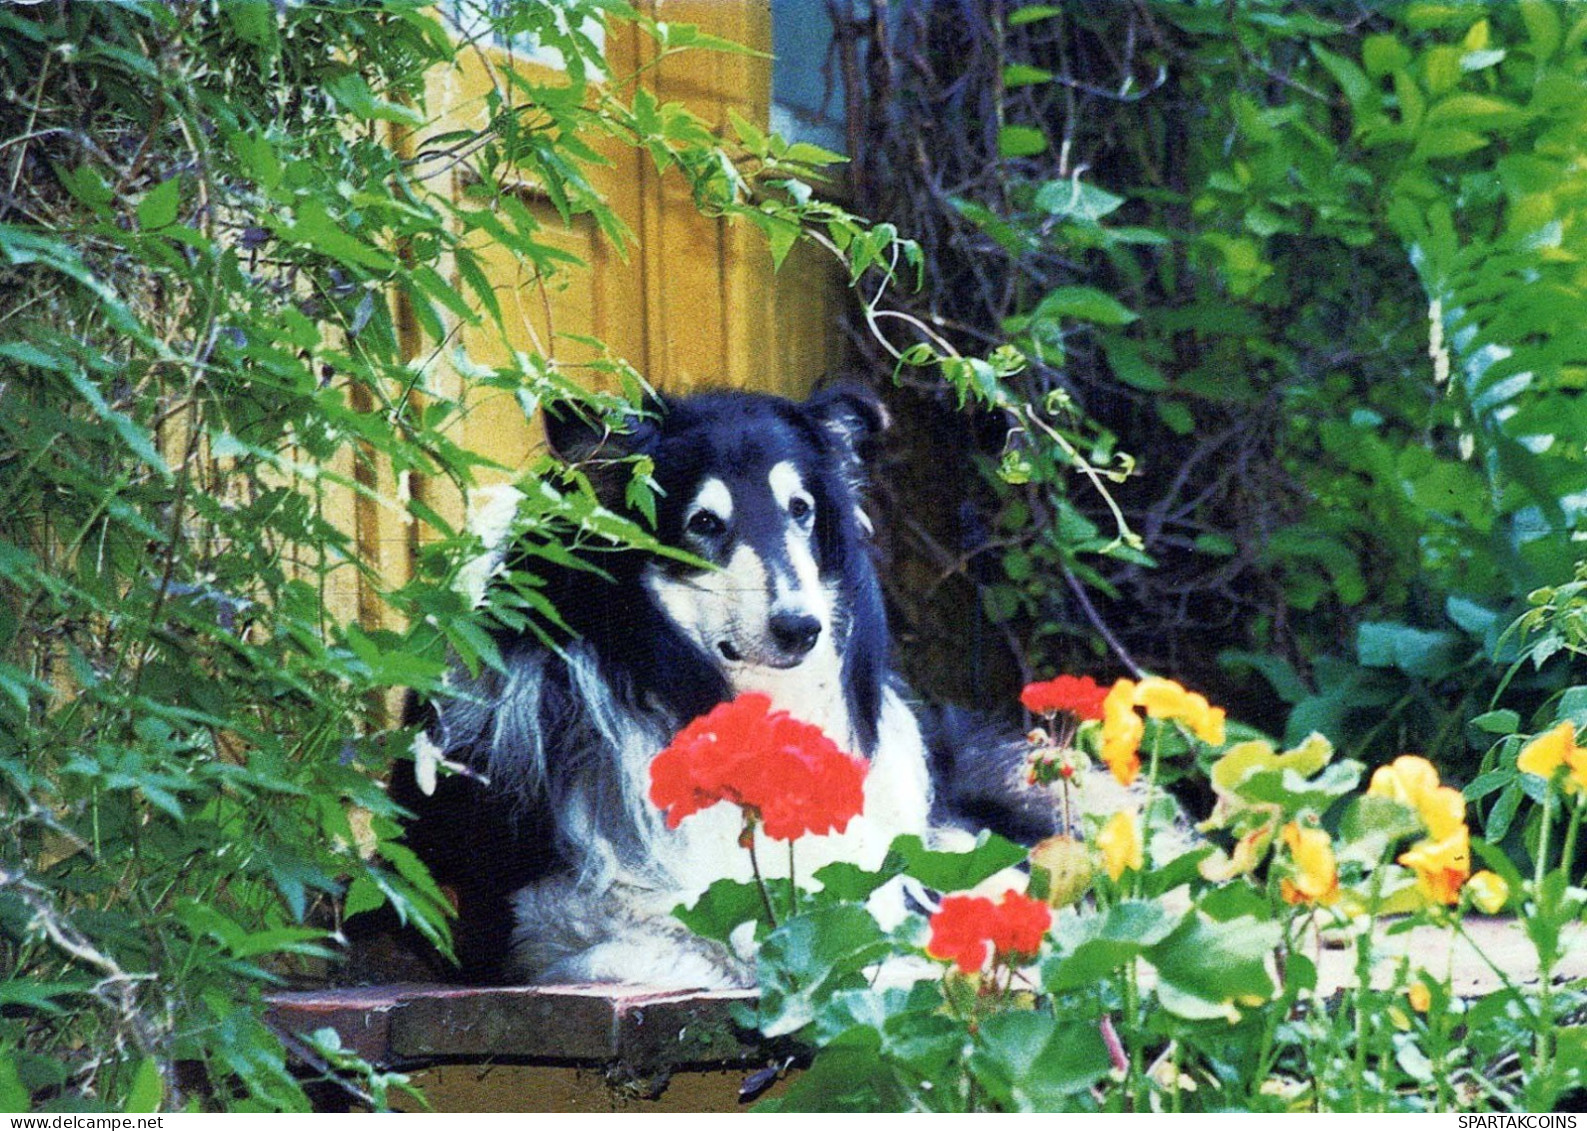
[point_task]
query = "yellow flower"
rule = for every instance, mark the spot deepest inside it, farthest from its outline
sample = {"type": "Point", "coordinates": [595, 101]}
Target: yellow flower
{"type": "Point", "coordinates": [1316, 878]}
{"type": "Point", "coordinates": [1122, 731]}
{"type": "Point", "coordinates": [1551, 750]}
{"type": "Point", "coordinates": [1413, 782]}
{"type": "Point", "coordinates": [1122, 728]}
{"type": "Point", "coordinates": [1404, 780]}
{"type": "Point", "coordinates": [1443, 811]}
{"type": "Point", "coordinates": [1120, 842]}
{"type": "Point", "coordinates": [1165, 699]}
{"type": "Point", "coordinates": [1421, 997]}
{"type": "Point", "coordinates": [1489, 892]}
{"type": "Point", "coordinates": [1441, 866]}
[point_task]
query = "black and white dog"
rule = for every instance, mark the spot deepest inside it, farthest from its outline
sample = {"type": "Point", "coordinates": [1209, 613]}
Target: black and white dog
{"type": "Point", "coordinates": [561, 863]}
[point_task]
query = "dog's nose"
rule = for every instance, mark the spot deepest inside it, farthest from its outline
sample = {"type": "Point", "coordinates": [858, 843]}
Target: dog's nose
{"type": "Point", "coordinates": [795, 633]}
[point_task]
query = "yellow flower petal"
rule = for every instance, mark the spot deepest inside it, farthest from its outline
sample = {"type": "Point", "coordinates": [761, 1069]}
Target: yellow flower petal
{"type": "Point", "coordinates": [1165, 699]}
{"type": "Point", "coordinates": [1316, 878]}
{"type": "Point", "coordinates": [1404, 780]}
{"type": "Point", "coordinates": [1162, 698]}
{"type": "Point", "coordinates": [1120, 842]}
{"type": "Point", "coordinates": [1441, 866]}
{"type": "Point", "coordinates": [1489, 892]}
{"type": "Point", "coordinates": [1122, 731]}
{"type": "Point", "coordinates": [1421, 997]}
{"type": "Point", "coordinates": [1413, 781]}
{"type": "Point", "coordinates": [1443, 810]}
{"type": "Point", "coordinates": [1552, 749]}
{"type": "Point", "coordinates": [1210, 727]}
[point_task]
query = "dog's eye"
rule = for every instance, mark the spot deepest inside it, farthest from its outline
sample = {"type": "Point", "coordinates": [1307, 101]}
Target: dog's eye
{"type": "Point", "coordinates": [799, 508]}
{"type": "Point", "coordinates": [705, 524]}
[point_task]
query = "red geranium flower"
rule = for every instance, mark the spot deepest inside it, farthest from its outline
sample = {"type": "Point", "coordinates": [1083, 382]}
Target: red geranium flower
{"type": "Point", "coordinates": [967, 927]}
{"type": "Point", "coordinates": [1078, 695]}
{"type": "Point", "coordinates": [787, 772]}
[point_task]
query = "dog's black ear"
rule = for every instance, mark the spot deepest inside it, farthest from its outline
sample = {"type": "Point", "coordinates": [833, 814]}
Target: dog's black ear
{"type": "Point", "coordinates": [851, 415]}
{"type": "Point", "coordinates": [576, 438]}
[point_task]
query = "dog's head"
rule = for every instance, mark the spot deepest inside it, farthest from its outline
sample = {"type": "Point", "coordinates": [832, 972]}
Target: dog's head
{"type": "Point", "coordinates": [765, 492]}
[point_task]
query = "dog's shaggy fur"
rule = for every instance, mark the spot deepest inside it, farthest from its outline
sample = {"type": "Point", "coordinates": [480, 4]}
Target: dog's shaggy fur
{"type": "Point", "coordinates": [561, 862]}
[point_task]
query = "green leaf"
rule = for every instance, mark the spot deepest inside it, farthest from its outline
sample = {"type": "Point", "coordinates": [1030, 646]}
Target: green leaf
{"type": "Point", "coordinates": [148, 1088]}
{"type": "Point", "coordinates": [1415, 651]}
{"type": "Point", "coordinates": [1245, 760]}
{"type": "Point", "coordinates": [40, 995]}
{"type": "Point", "coordinates": [1076, 199]}
{"type": "Point", "coordinates": [362, 895]}
{"type": "Point", "coordinates": [1177, 415]}
{"type": "Point", "coordinates": [1382, 55]}
{"type": "Point", "coordinates": [1030, 13]}
{"type": "Point", "coordinates": [1351, 78]}
{"type": "Point", "coordinates": [254, 21]}
{"type": "Point", "coordinates": [1280, 674]}
{"type": "Point", "coordinates": [842, 1077]}
{"type": "Point", "coordinates": [1089, 948]}
{"type": "Point", "coordinates": [1020, 141]}
{"type": "Point", "coordinates": [842, 880]}
{"type": "Point", "coordinates": [1475, 108]}
{"type": "Point", "coordinates": [1019, 74]}
{"type": "Point", "coordinates": [1435, 144]}
{"type": "Point", "coordinates": [159, 205]}
{"type": "Point", "coordinates": [1029, 1061]}
{"type": "Point", "coordinates": [1542, 26]}
{"type": "Point", "coordinates": [1129, 364]}
{"type": "Point", "coordinates": [953, 871]}
{"type": "Point", "coordinates": [1225, 962]}
{"type": "Point", "coordinates": [14, 1095]}
{"type": "Point", "coordinates": [1086, 303]}
{"type": "Point", "coordinates": [1297, 793]}
{"type": "Point", "coordinates": [133, 434]}
{"type": "Point", "coordinates": [353, 93]}
{"type": "Point", "coordinates": [810, 957]}
{"type": "Point", "coordinates": [1502, 721]}
{"type": "Point", "coordinates": [258, 156]}
{"type": "Point", "coordinates": [726, 905]}
{"type": "Point", "coordinates": [1503, 812]}
{"type": "Point", "coordinates": [315, 228]}
{"type": "Point", "coordinates": [1371, 824]}
{"type": "Point", "coordinates": [806, 154]}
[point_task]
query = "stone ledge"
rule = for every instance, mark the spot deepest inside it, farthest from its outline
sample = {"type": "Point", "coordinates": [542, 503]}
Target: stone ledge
{"type": "Point", "coordinates": [648, 1029]}
{"type": "Point", "coordinates": [654, 1030]}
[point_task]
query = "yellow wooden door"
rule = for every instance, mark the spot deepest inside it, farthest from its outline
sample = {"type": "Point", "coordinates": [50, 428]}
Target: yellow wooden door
{"type": "Point", "coordinates": [695, 303]}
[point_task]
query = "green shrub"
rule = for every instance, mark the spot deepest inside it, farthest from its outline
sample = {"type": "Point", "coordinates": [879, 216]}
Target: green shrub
{"type": "Point", "coordinates": [1317, 267]}
{"type": "Point", "coordinates": [227, 254]}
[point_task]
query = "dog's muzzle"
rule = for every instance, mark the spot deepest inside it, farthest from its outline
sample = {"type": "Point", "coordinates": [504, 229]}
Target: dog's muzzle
{"type": "Point", "coordinates": [795, 633]}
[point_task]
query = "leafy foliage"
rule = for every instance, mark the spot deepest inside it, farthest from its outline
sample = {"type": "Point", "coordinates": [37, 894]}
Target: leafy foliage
{"type": "Point", "coordinates": [1190, 981]}
{"type": "Point", "coordinates": [234, 275]}
{"type": "Point", "coordinates": [1317, 267]}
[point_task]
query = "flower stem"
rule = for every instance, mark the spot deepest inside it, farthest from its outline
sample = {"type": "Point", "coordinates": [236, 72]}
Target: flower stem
{"type": "Point", "coordinates": [747, 839]}
{"type": "Point", "coordinates": [1151, 800]}
{"type": "Point", "coordinates": [1568, 857]}
{"type": "Point", "coordinates": [1364, 963]}
{"type": "Point", "coordinates": [1543, 1050]}
{"type": "Point", "coordinates": [1540, 865]}
{"type": "Point", "coordinates": [793, 888]}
